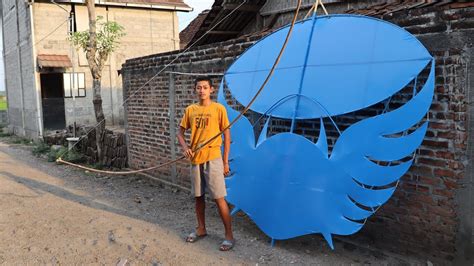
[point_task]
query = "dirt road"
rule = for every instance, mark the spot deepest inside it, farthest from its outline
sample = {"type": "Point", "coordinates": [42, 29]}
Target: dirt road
{"type": "Point", "coordinates": [53, 214]}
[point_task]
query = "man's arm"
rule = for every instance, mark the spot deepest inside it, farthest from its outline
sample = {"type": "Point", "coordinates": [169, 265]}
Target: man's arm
{"type": "Point", "coordinates": [225, 157]}
{"type": "Point", "coordinates": [186, 150]}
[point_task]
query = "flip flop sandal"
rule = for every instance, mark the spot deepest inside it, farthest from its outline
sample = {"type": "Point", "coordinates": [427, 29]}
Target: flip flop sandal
{"type": "Point", "coordinates": [227, 245]}
{"type": "Point", "coordinates": [193, 237]}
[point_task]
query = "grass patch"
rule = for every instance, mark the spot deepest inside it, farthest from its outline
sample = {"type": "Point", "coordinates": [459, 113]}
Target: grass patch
{"type": "Point", "coordinates": [2, 134]}
{"type": "Point", "coordinates": [20, 140]}
{"type": "Point", "coordinates": [40, 148]}
{"type": "Point", "coordinates": [3, 105]}
{"type": "Point", "coordinates": [12, 139]}
{"type": "Point", "coordinates": [97, 166]}
{"type": "Point", "coordinates": [72, 156]}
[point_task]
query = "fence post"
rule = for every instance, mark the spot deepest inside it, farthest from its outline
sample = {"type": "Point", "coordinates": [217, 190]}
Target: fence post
{"type": "Point", "coordinates": [172, 119]}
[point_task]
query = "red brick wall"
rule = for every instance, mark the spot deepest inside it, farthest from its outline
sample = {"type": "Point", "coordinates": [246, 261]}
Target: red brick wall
{"type": "Point", "coordinates": [423, 215]}
{"type": "Point", "coordinates": [147, 113]}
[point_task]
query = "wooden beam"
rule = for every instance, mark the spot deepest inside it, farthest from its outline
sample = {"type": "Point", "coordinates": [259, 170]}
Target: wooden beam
{"type": "Point", "coordinates": [223, 32]}
{"type": "Point", "coordinates": [244, 8]}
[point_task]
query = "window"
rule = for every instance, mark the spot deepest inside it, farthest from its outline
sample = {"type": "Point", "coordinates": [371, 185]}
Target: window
{"type": "Point", "coordinates": [74, 84]}
{"type": "Point", "coordinates": [72, 24]}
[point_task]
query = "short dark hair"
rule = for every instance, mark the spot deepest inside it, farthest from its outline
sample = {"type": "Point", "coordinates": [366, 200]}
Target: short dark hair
{"type": "Point", "coordinates": [203, 78]}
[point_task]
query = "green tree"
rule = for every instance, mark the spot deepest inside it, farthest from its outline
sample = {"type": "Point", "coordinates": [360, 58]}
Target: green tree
{"type": "Point", "coordinates": [98, 43]}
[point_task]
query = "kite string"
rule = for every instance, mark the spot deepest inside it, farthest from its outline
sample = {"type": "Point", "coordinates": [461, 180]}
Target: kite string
{"type": "Point", "coordinates": [314, 8]}
{"type": "Point", "coordinates": [270, 74]}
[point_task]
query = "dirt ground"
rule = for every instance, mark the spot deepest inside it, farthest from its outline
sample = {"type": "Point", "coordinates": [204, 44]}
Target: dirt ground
{"type": "Point", "coordinates": [54, 214]}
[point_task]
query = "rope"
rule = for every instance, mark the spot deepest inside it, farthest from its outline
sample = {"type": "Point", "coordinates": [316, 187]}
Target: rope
{"type": "Point", "coordinates": [270, 74]}
{"type": "Point", "coordinates": [314, 8]}
{"type": "Point", "coordinates": [323, 7]}
{"type": "Point", "coordinates": [51, 32]}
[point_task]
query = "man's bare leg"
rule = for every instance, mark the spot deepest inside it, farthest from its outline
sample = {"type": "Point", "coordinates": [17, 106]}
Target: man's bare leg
{"type": "Point", "coordinates": [226, 218]}
{"type": "Point", "coordinates": [200, 215]}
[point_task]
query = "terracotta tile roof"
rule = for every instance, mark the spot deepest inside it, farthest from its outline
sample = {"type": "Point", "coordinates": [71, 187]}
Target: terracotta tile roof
{"type": "Point", "coordinates": [52, 60]}
{"type": "Point", "coordinates": [186, 35]}
{"type": "Point", "coordinates": [389, 7]}
{"type": "Point", "coordinates": [226, 20]}
{"type": "Point", "coordinates": [231, 28]}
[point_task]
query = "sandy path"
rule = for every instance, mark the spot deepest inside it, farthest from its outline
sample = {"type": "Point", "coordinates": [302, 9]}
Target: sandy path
{"type": "Point", "coordinates": [55, 214]}
{"type": "Point", "coordinates": [42, 222]}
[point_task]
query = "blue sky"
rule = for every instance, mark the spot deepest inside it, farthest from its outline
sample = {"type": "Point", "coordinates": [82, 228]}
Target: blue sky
{"type": "Point", "coordinates": [198, 5]}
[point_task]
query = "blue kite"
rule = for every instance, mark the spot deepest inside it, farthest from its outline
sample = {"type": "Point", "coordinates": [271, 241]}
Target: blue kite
{"type": "Point", "coordinates": [333, 65]}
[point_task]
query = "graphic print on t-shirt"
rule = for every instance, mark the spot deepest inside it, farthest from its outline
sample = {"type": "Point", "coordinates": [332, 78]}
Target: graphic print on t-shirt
{"type": "Point", "coordinates": [202, 121]}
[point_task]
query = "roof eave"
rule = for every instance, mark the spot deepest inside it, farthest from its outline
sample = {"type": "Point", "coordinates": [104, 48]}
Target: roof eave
{"type": "Point", "coordinates": [183, 8]}
{"type": "Point", "coordinates": [148, 6]}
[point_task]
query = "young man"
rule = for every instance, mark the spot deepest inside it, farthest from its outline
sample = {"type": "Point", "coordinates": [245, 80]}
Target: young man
{"type": "Point", "coordinates": [208, 167]}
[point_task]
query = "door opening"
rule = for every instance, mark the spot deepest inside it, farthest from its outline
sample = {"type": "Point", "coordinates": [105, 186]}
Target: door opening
{"type": "Point", "coordinates": [52, 95]}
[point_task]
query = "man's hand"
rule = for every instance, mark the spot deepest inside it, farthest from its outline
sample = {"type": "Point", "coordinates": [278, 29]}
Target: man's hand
{"type": "Point", "coordinates": [226, 169]}
{"type": "Point", "coordinates": [189, 153]}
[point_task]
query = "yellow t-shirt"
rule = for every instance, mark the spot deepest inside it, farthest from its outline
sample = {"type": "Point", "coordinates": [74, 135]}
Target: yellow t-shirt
{"type": "Point", "coordinates": [205, 122]}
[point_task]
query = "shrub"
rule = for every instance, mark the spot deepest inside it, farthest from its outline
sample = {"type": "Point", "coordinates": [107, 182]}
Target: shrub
{"type": "Point", "coordinates": [72, 156]}
{"type": "Point", "coordinates": [21, 140]}
{"type": "Point", "coordinates": [40, 148]}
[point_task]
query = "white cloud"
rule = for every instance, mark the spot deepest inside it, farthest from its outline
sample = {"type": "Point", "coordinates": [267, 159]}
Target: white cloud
{"type": "Point", "coordinates": [198, 5]}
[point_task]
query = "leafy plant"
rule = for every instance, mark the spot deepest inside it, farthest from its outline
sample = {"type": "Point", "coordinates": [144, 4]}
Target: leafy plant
{"type": "Point", "coordinates": [3, 135]}
{"type": "Point", "coordinates": [72, 156]}
{"type": "Point", "coordinates": [40, 148]}
{"type": "Point", "coordinates": [108, 35]}
{"type": "Point", "coordinates": [98, 42]}
{"type": "Point", "coordinates": [20, 140]}
{"type": "Point", "coordinates": [98, 166]}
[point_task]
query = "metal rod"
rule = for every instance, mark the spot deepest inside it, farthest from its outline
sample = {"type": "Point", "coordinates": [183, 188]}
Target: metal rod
{"type": "Point", "coordinates": [74, 89]}
{"type": "Point", "coordinates": [194, 74]}
{"type": "Point", "coordinates": [172, 125]}
{"type": "Point", "coordinates": [308, 48]}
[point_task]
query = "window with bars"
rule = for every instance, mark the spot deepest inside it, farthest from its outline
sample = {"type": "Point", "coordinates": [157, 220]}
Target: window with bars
{"type": "Point", "coordinates": [74, 84]}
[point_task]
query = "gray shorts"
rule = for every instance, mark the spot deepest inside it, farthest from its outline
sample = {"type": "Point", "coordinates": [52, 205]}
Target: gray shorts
{"type": "Point", "coordinates": [209, 175]}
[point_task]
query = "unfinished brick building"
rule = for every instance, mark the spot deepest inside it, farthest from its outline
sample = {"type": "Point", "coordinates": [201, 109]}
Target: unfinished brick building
{"type": "Point", "coordinates": [431, 210]}
{"type": "Point", "coordinates": [48, 82]}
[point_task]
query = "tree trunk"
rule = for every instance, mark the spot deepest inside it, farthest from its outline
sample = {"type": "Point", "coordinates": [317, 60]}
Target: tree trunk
{"type": "Point", "coordinates": [100, 119]}
{"type": "Point", "coordinates": [96, 69]}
